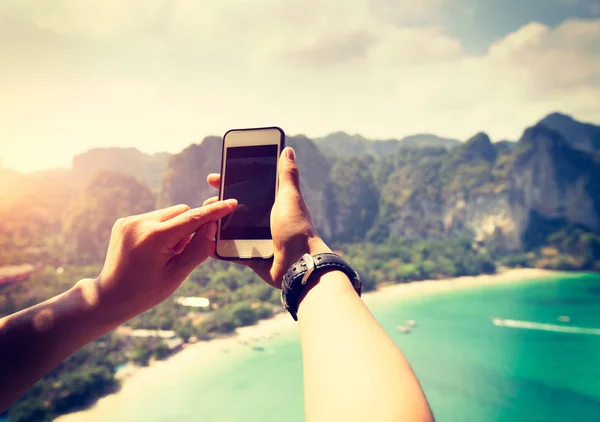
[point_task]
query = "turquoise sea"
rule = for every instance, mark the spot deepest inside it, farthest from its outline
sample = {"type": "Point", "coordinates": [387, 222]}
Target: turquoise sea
{"type": "Point", "coordinates": [471, 369]}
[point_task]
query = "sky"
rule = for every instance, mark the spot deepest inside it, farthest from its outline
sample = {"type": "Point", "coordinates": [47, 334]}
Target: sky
{"type": "Point", "coordinates": [159, 75]}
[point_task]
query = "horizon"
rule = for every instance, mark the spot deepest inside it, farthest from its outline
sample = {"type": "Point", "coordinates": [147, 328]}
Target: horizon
{"type": "Point", "coordinates": [149, 73]}
{"type": "Point", "coordinates": [3, 166]}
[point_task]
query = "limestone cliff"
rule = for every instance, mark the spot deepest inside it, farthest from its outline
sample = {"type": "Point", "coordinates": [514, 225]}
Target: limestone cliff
{"type": "Point", "coordinates": [184, 180]}
{"type": "Point", "coordinates": [554, 180]}
{"type": "Point", "coordinates": [491, 193]}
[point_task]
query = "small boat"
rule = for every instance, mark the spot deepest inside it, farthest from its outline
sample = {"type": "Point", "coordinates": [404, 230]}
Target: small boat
{"type": "Point", "coordinates": [564, 318]}
{"type": "Point", "coordinates": [258, 347]}
{"type": "Point", "coordinates": [403, 329]}
{"type": "Point", "coordinates": [411, 323]}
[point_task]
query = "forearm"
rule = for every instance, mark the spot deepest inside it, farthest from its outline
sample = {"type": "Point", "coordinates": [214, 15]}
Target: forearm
{"type": "Point", "coordinates": [37, 339]}
{"type": "Point", "coordinates": [352, 369]}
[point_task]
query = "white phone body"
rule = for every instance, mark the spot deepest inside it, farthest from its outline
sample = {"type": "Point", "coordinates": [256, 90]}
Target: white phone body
{"type": "Point", "coordinates": [246, 233]}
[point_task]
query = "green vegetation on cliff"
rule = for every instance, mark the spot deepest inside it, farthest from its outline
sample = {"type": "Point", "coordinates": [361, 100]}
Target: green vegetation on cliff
{"type": "Point", "coordinates": [88, 221]}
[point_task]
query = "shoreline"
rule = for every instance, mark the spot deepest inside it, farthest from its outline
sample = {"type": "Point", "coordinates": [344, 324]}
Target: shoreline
{"type": "Point", "coordinates": [203, 352]}
{"type": "Point", "coordinates": [417, 288]}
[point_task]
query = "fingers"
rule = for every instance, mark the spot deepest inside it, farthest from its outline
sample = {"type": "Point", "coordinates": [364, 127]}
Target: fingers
{"type": "Point", "coordinates": [192, 220]}
{"type": "Point", "coordinates": [167, 213]}
{"type": "Point", "coordinates": [238, 217]}
{"type": "Point", "coordinates": [200, 247]}
{"type": "Point", "coordinates": [289, 176]}
{"type": "Point", "coordinates": [210, 200]}
{"type": "Point", "coordinates": [214, 180]}
{"type": "Point", "coordinates": [180, 246]}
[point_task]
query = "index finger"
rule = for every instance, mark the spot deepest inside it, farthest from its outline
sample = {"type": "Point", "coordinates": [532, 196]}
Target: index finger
{"type": "Point", "coordinates": [189, 222]}
{"type": "Point", "coordinates": [167, 213]}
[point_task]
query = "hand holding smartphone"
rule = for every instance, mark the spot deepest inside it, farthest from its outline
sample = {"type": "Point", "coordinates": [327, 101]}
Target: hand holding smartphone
{"type": "Point", "coordinates": [249, 174]}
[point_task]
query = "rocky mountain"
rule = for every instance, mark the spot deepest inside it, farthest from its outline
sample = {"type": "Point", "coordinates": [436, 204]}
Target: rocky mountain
{"type": "Point", "coordinates": [504, 146]}
{"type": "Point", "coordinates": [498, 196]}
{"type": "Point", "coordinates": [90, 216]}
{"type": "Point", "coordinates": [552, 180]}
{"type": "Point", "coordinates": [184, 179]}
{"type": "Point", "coordinates": [447, 193]}
{"type": "Point", "coordinates": [147, 168]}
{"type": "Point", "coordinates": [341, 144]}
{"type": "Point", "coordinates": [427, 140]}
{"type": "Point", "coordinates": [583, 136]}
{"type": "Point", "coordinates": [351, 199]}
{"type": "Point", "coordinates": [32, 203]}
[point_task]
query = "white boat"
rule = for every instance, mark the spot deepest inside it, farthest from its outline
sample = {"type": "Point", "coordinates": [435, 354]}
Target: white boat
{"type": "Point", "coordinates": [411, 322]}
{"type": "Point", "coordinates": [403, 329]}
{"type": "Point", "coordinates": [564, 318]}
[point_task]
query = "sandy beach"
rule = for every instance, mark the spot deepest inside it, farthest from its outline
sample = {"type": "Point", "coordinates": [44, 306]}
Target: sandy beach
{"type": "Point", "coordinates": [407, 290]}
{"type": "Point", "coordinates": [133, 385]}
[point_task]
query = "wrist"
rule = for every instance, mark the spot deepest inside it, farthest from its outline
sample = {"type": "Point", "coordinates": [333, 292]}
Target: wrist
{"type": "Point", "coordinates": [342, 280]}
{"type": "Point", "coordinates": [102, 312]}
{"type": "Point", "coordinates": [294, 252]}
{"type": "Point", "coordinates": [328, 285]}
{"type": "Point", "coordinates": [314, 245]}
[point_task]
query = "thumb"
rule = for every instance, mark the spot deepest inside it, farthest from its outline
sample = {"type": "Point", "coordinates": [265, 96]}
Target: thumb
{"type": "Point", "coordinates": [289, 175]}
{"type": "Point", "coordinates": [196, 252]}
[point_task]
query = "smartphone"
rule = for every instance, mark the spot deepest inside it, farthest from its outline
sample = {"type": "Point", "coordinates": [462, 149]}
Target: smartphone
{"type": "Point", "coordinates": [249, 174]}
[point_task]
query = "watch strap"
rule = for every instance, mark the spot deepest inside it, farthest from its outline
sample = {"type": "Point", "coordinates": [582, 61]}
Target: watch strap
{"type": "Point", "coordinates": [299, 274]}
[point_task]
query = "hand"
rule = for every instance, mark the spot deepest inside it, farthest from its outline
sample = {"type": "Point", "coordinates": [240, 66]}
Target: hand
{"type": "Point", "coordinates": [150, 255]}
{"type": "Point", "coordinates": [293, 231]}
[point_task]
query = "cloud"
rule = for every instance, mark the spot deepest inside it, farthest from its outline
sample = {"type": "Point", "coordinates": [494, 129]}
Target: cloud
{"type": "Point", "coordinates": [102, 19]}
{"type": "Point", "coordinates": [332, 50]}
{"type": "Point", "coordinates": [159, 74]}
{"type": "Point", "coordinates": [553, 59]}
{"type": "Point", "coordinates": [418, 11]}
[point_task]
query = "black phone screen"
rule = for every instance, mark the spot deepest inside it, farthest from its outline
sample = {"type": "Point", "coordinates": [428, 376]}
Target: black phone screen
{"type": "Point", "coordinates": [250, 175]}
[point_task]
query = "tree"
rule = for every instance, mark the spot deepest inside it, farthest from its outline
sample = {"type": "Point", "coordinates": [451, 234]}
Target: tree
{"type": "Point", "coordinates": [243, 314]}
{"type": "Point", "coordinates": [408, 272]}
{"type": "Point", "coordinates": [29, 409]}
{"type": "Point", "coordinates": [185, 331]}
{"type": "Point", "coordinates": [141, 355]}
{"type": "Point", "coordinates": [160, 350]}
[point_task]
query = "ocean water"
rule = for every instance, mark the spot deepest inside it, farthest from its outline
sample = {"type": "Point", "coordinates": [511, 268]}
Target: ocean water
{"type": "Point", "coordinates": [470, 369]}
